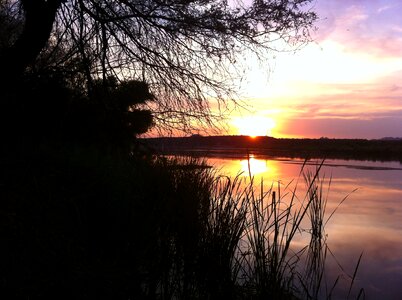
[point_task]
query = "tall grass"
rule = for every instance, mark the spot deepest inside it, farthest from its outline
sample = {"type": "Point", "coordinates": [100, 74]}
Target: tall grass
{"type": "Point", "coordinates": [272, 261]}
{"type": "Point", "coordinates": [244, 246]}
{"type": "Point", "coordinates": [316, 251]}
{"type": "Point", "coordinates": [96, 224]}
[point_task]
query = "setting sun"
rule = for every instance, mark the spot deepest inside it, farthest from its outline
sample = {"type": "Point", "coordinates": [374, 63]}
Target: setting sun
{"type": "Point", "coordinates": [254, 126]}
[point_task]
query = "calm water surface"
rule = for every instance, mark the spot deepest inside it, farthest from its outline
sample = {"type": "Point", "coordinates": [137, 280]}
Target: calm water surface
{"type": "Point", "coordinates": [368, 221]}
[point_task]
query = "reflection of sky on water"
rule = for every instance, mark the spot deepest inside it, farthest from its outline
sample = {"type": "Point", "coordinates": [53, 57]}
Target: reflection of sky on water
{"type": "Point", "coordinates": [370, 220]}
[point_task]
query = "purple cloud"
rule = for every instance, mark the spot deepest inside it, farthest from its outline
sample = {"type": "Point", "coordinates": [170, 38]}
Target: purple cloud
{"type": "Point", "coordinates": [373, 27]}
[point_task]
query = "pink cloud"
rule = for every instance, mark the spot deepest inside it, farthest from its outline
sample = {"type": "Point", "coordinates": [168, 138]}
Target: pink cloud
{"type": "Point", "coordinates": [343, 128]}
{"type": "Point", "coordinates": [360, 111]}
{"type": "Point", "coordinates": [362, 26]}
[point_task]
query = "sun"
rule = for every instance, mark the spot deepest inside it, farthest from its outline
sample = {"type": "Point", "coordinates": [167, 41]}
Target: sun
{"type": "Point", "coordinates": [254, 126]}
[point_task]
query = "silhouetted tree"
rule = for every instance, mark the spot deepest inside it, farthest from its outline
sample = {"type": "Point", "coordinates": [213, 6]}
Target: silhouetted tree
{"type": "Point", "coordinates": [10, 24]}
{"type": "Point", "coordinates": [38, 18]}
{"type": "Point", "coordinates": [121, 116]}
{"type": "Point", "coordinates": [46, 105]}
{"type": "Point", "coordinates": [186, 50]}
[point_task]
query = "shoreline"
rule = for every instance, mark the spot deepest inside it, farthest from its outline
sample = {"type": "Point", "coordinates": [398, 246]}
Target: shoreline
{"type": "Point", "coordinates": [290, 160]}
{"type": "Point", "coordinates": [243, 146]}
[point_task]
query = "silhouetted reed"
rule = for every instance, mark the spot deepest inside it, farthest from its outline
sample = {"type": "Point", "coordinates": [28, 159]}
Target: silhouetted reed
{"type": "Point", "coordinates": [98, 223]}
{"type": "Point", "coordinates": [240, 239]}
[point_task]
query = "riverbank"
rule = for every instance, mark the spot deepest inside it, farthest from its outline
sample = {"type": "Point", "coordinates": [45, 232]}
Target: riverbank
{"type": "Point", "coordinates": [241, 146]}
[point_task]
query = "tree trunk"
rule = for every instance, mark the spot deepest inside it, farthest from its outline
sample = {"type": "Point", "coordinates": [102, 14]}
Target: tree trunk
{"type": "Point", "coordinates": [39, 18]}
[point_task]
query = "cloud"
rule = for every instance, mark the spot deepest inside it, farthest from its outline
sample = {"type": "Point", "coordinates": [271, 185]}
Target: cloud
{"type": "Point", "coordinates": [357, 101]}
{"type": "Point", "coordinates": [371, 110]}
{"type": "Point", "coordinates": [362, 26]}
{"type": "Point", "coordinates": [342, 128]}
{"type": "Point", "coordinates": [397, 28]}
{"type": "Point", "coordinates": [392, 5]}
{"type": "Point", "coordinates": [384, 8]}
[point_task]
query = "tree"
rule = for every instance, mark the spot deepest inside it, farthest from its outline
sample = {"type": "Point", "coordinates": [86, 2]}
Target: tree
{"type": "Point", "coordinates": [186, 50]}
{"type": "Point", "coordinates": [119, 114]}
{"type": "Point", "coordinates": [37, 18]}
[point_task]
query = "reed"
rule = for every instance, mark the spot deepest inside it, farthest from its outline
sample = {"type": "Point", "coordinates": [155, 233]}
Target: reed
{"type": "Point", "coordinates": [271, 261]}
{"type": "Point", "coordinates": [245, 246]}
{"type": "Point", "coordinates": [316, 252]}
{"type": "Point", "coordinates": [157, 229]}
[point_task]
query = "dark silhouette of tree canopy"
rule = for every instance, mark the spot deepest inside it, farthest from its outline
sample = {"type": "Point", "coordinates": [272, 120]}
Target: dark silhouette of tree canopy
{"type": "Point", "coordinates": [187, 51]}
{"type": "Point", "coordinates": [120, 102]}
{"type": "Point", "coordinates": [47, 107]}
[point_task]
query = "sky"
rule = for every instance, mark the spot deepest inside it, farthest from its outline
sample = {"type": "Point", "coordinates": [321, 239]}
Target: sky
{"type": "Point", "coordinates": [346, 83]}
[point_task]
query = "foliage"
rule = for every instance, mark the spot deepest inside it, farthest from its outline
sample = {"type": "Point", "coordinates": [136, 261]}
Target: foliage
{"type": "Point", "coordinates": [10, 24]}
{"type": "Point", "coordinates": [47, 106]}
{"type": "Point", "coordinates": [188, 51]}
{"type": "Point", "coordinates": [122, 99]}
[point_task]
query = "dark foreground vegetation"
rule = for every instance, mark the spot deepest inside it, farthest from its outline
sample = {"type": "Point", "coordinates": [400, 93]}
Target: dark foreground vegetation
{"type": "Point", "coordinates": [82, 223]}
{"type": "Point", "coordinates": [360, 149]}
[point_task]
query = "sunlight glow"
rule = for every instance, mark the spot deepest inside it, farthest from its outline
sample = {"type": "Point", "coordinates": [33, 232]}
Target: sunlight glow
{"type": "Point", "coordinates": [253, 166]}
{"type": "Point", "coordinates": [254, 125]}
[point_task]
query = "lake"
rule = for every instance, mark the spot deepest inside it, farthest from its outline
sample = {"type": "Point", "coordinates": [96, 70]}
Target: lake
{"type": "Point", "coordinates": [369, 221]}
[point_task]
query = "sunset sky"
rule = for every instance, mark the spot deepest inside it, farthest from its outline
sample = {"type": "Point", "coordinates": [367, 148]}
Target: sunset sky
{"type": "Point", "coordinates": [344, 84]}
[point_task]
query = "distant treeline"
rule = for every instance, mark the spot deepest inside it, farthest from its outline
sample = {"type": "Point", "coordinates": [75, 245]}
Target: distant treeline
{"type": "Point", "coordinates": [239, 146]}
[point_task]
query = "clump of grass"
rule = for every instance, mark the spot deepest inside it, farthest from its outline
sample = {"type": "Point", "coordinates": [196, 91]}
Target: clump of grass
{"type": "Point", "coordinates": [243, 243]}
{"type": "Point", "coordinates": [271, 263]}
{"type": "Point", "coordinates": [317, 248]}
{"type": "Point", "coordinates": [205, 217]}
{"type": "Point", "coordinates": [224, 225]}
{"type": "Point", "coordinates": [313, 284]}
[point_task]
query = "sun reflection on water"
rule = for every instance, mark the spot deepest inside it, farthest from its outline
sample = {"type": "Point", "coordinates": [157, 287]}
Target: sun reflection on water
{"type": "Point", "coordinates": [259, 169]}
{"type": "Point", "coordinates": [254, 166]}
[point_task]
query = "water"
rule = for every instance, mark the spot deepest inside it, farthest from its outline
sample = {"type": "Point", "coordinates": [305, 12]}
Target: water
{"type": "Point", "coordinates": [369, 221]}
